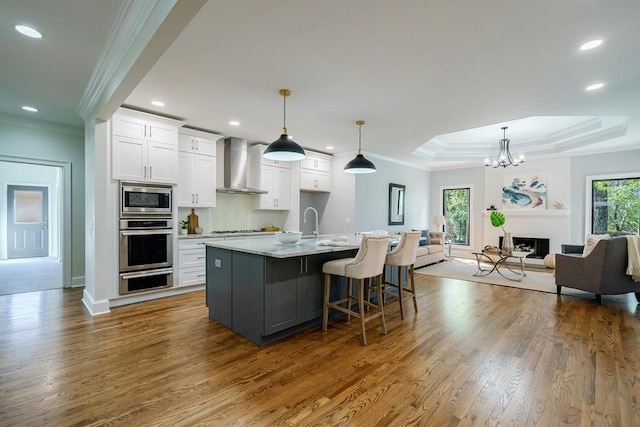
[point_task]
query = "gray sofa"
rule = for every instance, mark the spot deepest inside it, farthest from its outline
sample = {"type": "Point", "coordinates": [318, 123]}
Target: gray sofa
{"type": "Point", "coordinates": [601, 272]}
{"type": "Point", "coordinates": [433, 252]}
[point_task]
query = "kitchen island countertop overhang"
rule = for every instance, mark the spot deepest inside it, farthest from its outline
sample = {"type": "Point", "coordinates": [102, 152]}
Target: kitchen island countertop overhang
{"type": "Point", "coordinates": [271, 247]}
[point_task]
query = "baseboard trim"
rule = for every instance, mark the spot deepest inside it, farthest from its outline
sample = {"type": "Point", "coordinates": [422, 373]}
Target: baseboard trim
{"type": "Point", "coordinates": [95, 307]}
{"type": "Point", "coordinates": [135, 298]}
{"type": "Point", "coordinates": [77, 281]}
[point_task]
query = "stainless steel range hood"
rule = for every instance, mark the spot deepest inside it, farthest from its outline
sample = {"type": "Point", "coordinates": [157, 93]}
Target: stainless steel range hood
{"type": "Point", "coordinates": [236, 159]}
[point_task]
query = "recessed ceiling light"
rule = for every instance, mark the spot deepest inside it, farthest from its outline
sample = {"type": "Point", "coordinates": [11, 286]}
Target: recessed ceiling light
{"type": "Point", "coordinates": [29, 109]}
{"type": "Point", "coordinates": [594, 86]}
{"type": "Point", "coordinates": [28, 31]}
{"type": "Point", "coordinates": [591, 44]}
{"type": "Point", "coordinates": [158, 103]}
{"type": "Point", "coordinates": [234, 123]}
{"type": "Point", "coordinates": [329, 147]}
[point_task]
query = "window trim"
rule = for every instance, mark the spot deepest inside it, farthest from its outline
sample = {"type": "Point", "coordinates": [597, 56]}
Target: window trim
{"type": "Point", "coordinates": [588, 194]}
{"type": "Point", "coordinates": [471, 205]}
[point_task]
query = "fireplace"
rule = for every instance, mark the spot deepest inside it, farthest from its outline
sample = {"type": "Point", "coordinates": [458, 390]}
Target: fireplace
{"type": "Point", "coordinates": [538, 246]}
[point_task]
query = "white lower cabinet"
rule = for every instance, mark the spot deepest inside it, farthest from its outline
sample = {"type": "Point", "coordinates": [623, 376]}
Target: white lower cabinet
{"type": "Point", "coordinates": [191, 261]}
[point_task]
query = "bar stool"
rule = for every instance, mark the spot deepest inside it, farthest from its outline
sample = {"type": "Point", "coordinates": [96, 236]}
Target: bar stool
{"type": "Point", "coordinates": [404, 255]}
{"type": "Point", "coordinates": [367, 264]}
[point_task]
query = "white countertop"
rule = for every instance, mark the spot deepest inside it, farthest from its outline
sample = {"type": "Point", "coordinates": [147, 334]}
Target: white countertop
{"type": "Point", "coordinates": [271, 247]}
{"type": "Point", "coordinates": [218, 235]}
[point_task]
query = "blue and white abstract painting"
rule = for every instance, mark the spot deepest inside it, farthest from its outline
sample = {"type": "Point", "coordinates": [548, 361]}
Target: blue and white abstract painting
{"type": "Point", "coordinates": [524, 191]}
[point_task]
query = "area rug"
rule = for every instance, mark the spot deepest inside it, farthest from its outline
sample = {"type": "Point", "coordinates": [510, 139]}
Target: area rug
{"type": "Point", "coordinates": [463, 269]}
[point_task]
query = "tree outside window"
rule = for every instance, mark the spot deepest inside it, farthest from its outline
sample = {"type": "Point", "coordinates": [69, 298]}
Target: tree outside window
{"type": "Point", "coordinates": [455, 206]}
{"type": "Point", "coordinates": [615, 206]}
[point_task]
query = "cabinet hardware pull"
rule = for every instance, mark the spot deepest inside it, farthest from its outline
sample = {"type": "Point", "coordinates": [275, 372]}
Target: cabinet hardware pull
{"type": "Point", "coordinates": [150, 168]}
{"type": "Point", "coordinates": [201, 275]}
{"type": "Point", "coordinates": [192, 198]}
{"type": "Point", "coordinates": [197, 195]}
{"type": "Point", "coordinates": [145, 172]}
{"type": "Point", "coordinates": [306, 267]}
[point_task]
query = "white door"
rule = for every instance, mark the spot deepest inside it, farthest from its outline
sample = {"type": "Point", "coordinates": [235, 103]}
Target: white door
{"type": "Point", "coordinates": [204, 180]}
{"type": "Point", "coordinates": [27, 221]}
{"type": "Point", "coordinates": [162, 161]}
{"type": "Point", "coordinates": [184, 193]}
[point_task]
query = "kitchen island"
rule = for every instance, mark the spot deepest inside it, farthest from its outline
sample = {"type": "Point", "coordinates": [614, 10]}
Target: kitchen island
{"type": "Point", "coordinates": [265, 290]}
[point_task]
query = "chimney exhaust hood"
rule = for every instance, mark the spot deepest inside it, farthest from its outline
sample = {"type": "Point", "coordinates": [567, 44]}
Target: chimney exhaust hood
{"type": "Point", "coordinates": [236, 158]}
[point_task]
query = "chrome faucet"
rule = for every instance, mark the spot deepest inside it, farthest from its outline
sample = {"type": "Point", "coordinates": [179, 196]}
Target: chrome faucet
{"type": "Point", "coordinates": [316, 232]}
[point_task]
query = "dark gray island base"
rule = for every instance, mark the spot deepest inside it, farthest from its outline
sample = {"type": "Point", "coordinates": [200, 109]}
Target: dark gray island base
{"type": "Point", "coordinates": [267, 293]}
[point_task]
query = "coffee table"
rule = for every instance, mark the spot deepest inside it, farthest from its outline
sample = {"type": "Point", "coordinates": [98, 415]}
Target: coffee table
{"type": "Point", "coordinates": [498, 263]}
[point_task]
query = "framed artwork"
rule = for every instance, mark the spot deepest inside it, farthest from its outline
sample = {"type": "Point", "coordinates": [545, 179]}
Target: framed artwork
{"type": "Point", "coordinates": [524, 191]}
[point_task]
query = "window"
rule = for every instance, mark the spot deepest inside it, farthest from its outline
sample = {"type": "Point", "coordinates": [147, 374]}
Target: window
{"type": "Point", "coordinates": [456, 205]}
{"type": "Point", "coordinates": [615, 205]}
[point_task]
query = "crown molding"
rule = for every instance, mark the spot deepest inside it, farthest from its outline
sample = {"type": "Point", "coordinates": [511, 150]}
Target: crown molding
{"type": "Point", "coordinates": [41, 125]}
{"type": "Point", "coordinates": [132, 29]}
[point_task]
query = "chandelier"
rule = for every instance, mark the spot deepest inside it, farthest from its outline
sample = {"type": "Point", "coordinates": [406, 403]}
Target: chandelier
{"type": "Point", "coordinates": [504, 158]}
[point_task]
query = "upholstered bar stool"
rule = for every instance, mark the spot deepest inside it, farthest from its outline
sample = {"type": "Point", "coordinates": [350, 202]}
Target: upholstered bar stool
{"type": "Point", "coordinates": [367, 264]}
{"type": "Point", "coordinates": [403, 255]}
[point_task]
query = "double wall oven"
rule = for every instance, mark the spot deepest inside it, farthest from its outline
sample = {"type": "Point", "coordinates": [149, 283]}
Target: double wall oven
{"type": "Point", "coordinates": [146, 238]}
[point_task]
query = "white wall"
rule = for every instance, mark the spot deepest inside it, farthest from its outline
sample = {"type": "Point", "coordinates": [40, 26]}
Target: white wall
{"type": "Point", "coordinates": [340, 211]}
{"type": "Point", "coordinates": [41, 142]}
{"type": "Point", "coordinates": [372, 196]}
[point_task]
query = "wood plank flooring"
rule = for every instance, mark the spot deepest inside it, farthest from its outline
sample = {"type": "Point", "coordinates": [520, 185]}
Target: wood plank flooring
{"type": "Point", "coordinates": [474, 354]}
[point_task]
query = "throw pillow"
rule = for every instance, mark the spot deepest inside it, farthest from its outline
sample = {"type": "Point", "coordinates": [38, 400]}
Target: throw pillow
{"type": "Point", "coordinates": [591, 240]}
{"type": "Point", "coordinates": [424, 237]}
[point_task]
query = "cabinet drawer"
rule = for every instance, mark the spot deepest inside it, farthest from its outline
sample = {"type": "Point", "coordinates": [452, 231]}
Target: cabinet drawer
{"type": "Point", "coordinates": [196, 243]}
{"type": "Point", "coordinates": [191, 257]}
{"type": "Point", "coordinates": [191, 276]}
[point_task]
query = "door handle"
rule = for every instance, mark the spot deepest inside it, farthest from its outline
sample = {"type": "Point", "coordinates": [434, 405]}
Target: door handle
{"type": "Point", "coordinates": [150, 169]}
{"type": "Point", "coordinates": [45, 225]}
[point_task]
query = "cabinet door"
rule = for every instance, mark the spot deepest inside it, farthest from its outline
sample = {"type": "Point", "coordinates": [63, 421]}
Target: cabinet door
{"type": "Point", "coordinates": [312, 283]}
{"type": "Point", "coordinates": [307, 179]}
{"type": "Point", "coordinates": [161, 132]}
{"type": "Point", "coordinates": [132, 127]}
{"type": "Point", "coordinates": [323, 181]}
{"type": "Point", "coordinates": [129, 161]}
{"type": "Point", "coordinates": [204, 180]}
{"type": "Point", "coordinates": [267, 183]}
{"type": "Point", "coordinates": [186, 143]}
{"type": "Point", "coordinates": [184, 194]}
{"type": "Point", "coordinates": [282, 296]}
{"type": "Point", "coordinates": [206, 147]}
{"type": "Point", "coordinates": [162, 161]}
{"type": "Point", "coordinates": [191, 276]}
{"type": "Point", "coordinates": [282, 185]}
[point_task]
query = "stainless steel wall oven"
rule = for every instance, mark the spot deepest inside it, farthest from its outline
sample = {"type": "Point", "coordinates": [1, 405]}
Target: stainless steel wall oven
{"type": "Point", "coordinates": [146, 254]}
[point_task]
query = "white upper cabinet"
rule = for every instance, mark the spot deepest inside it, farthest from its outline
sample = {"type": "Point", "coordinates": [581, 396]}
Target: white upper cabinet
{"type": "Point", "coordinates": [144, 147]}
{"type": "Point", "coordinates": [315, 172]}
{"type": "Point", "coordinates": [197, 169]}
{"type": "Point", "coordinates": [272, 176]}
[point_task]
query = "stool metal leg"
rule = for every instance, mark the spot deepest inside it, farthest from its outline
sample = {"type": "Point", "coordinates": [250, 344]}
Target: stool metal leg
{"type": "Point", "coordinates": [349, 293]}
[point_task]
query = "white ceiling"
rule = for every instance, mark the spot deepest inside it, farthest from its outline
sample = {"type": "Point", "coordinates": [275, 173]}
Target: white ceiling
{"type": "Point", "coordinates": [434, 81]}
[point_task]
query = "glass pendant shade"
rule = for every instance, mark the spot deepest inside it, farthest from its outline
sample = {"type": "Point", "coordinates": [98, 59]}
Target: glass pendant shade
{"type": "Point", "coordinates": [360, 164]}
{"type": "Point", "coordinates": [284, 148]}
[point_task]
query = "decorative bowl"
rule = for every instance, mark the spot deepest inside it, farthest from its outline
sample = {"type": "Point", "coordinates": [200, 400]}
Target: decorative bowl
{"type": "Point", "coordinates": [288, 237]}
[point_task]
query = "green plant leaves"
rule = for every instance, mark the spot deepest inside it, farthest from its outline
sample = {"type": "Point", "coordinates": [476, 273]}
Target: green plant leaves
{"type": "Point", "coordinates": [497, 219]}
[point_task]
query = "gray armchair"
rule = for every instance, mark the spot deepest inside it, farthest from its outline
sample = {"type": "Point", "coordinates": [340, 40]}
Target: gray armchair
{"type": "Point", "coordinates": [601, 272]}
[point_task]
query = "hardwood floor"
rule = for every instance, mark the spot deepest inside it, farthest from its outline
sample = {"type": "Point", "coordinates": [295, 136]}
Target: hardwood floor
{"type": "Point", "coordinates": [474, 354]}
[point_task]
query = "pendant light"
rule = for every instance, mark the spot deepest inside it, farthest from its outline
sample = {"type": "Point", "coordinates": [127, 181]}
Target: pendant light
{"type": "Point", "coordinates": [359, 164]}
{"type": "Point", "coordinates": [284, 148]}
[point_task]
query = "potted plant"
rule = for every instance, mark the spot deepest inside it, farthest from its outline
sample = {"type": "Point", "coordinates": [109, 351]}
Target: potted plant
{"type": "Point", "coordinates": [497, 220]}
{"type": "Point", "coordinates": [184, 225]}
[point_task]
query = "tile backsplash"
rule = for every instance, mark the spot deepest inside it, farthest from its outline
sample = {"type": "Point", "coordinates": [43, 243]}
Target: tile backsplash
{"type": "Point", "coordinates": [234, 212]}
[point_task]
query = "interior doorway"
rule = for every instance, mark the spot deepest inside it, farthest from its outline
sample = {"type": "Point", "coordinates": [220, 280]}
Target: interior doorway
{"type": "Point", "coordinates": [31, 225]}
